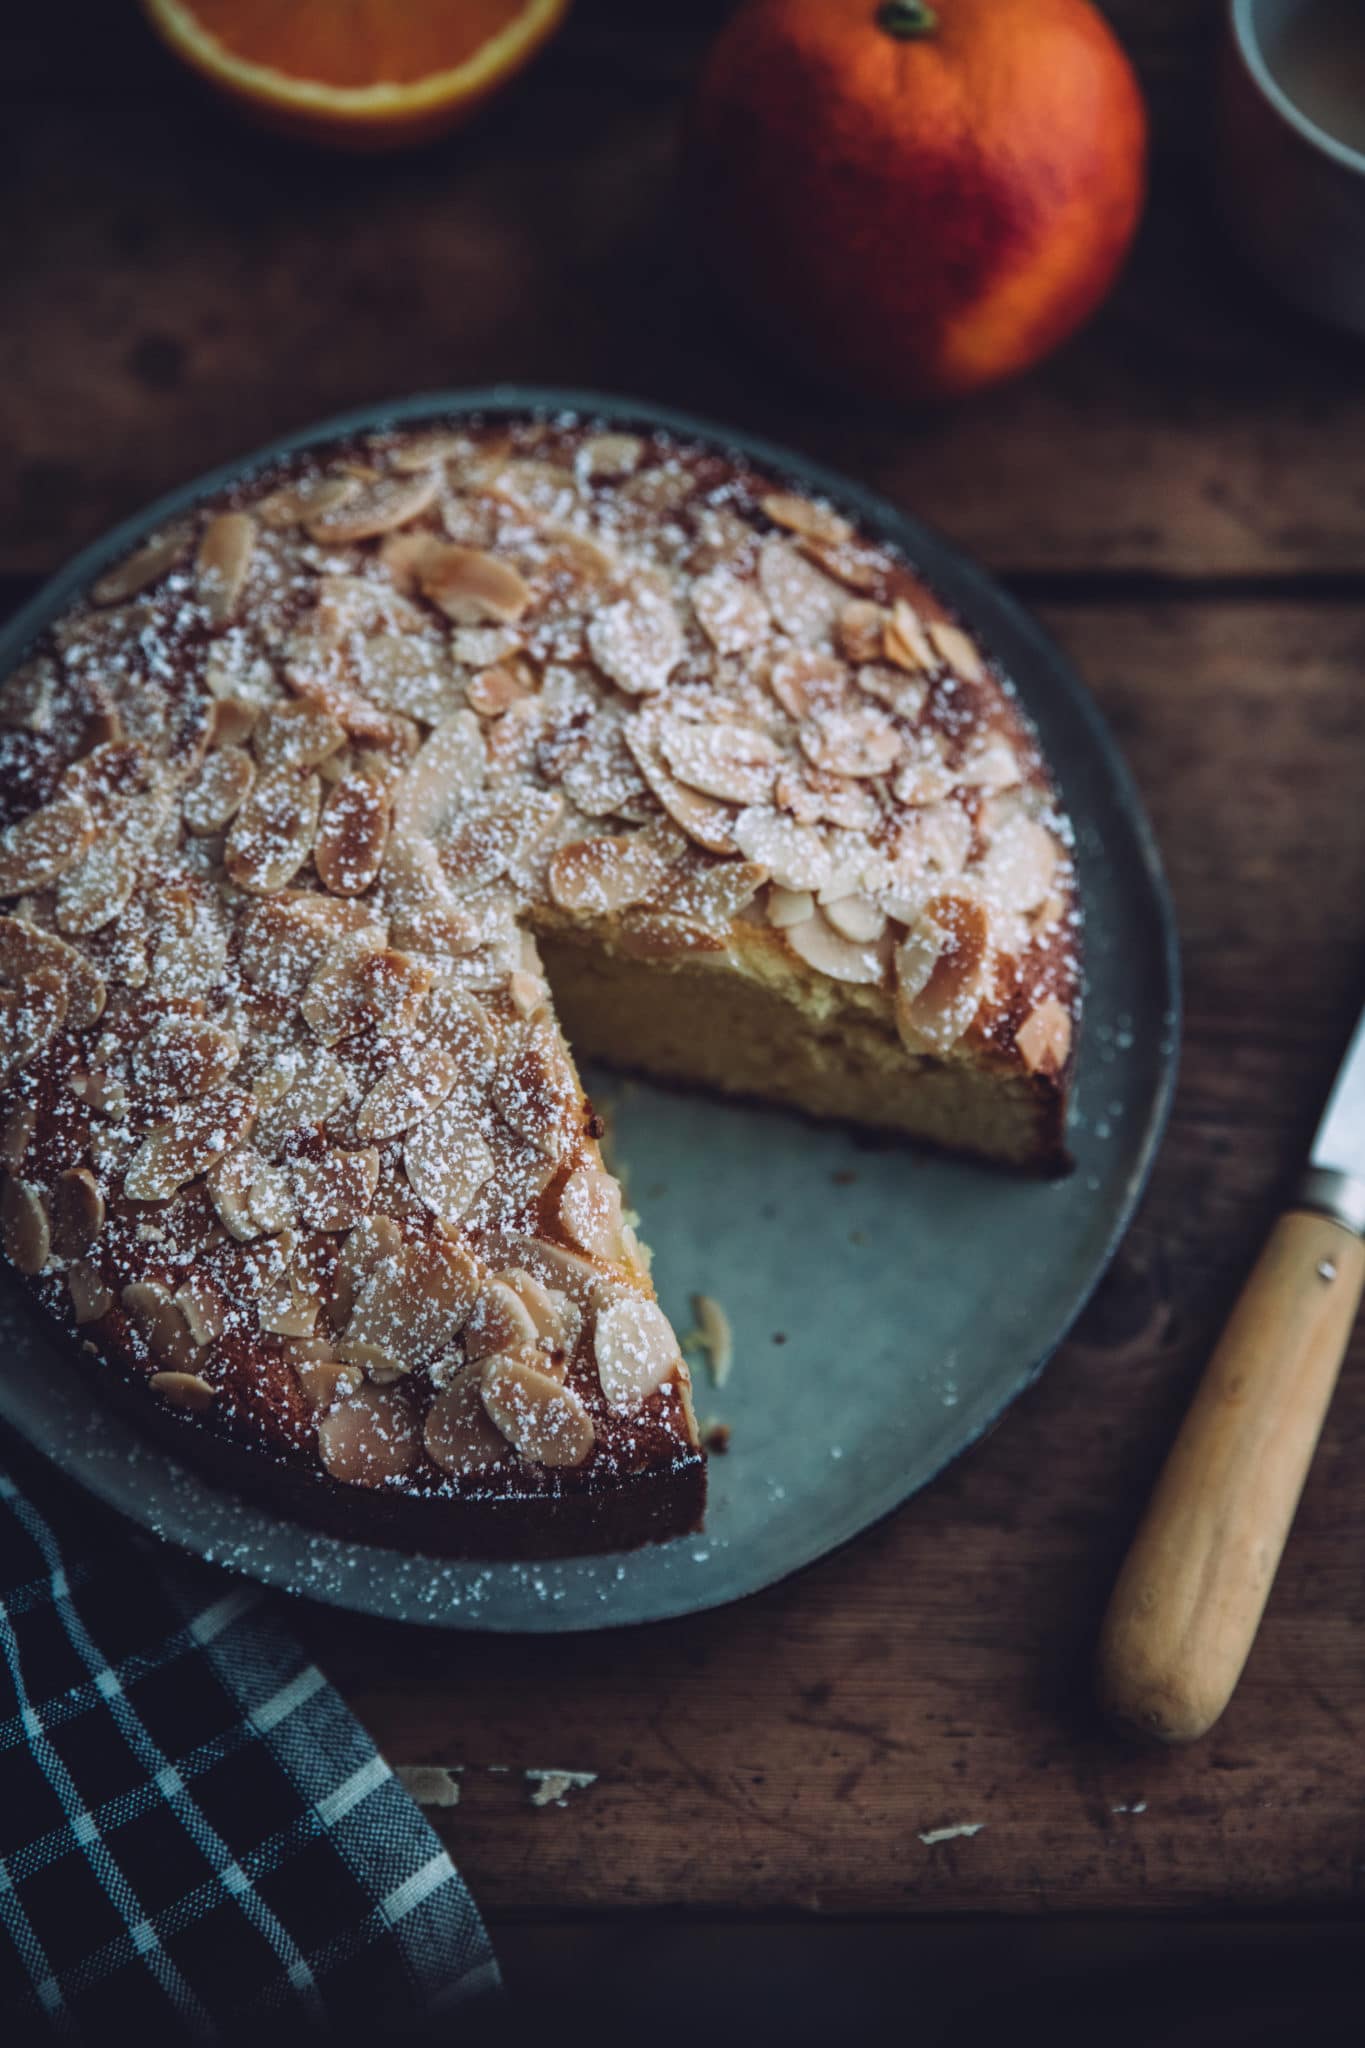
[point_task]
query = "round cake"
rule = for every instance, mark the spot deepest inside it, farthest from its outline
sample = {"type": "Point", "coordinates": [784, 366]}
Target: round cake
{"type": "Point", "coordinates": [343, 807]}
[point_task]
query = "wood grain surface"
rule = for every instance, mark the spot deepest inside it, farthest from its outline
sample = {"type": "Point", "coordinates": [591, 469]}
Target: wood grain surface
{"type": "Point", "coordinates": [1181, 495]}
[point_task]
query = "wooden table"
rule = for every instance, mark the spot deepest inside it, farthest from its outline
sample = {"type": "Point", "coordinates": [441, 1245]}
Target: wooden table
{"type": "Point", "coordinates": [1181, 496]}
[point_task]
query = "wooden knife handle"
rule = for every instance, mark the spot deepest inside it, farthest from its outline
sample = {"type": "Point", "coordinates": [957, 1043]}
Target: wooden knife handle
{"type": "Point", "coordinates": [1192, 1590]}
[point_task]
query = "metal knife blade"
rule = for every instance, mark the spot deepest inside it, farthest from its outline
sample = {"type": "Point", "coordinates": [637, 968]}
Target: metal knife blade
{"type": "Point", "coordinates": [1339, 1146]}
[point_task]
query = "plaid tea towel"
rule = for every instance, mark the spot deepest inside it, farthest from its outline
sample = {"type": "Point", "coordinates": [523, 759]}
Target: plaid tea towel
{"type": "Point", "coordinates": [198, 1841]}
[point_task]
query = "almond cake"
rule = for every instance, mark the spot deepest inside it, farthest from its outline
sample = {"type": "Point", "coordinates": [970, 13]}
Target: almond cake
{"type": "Point", "coordinates": [334, 807]}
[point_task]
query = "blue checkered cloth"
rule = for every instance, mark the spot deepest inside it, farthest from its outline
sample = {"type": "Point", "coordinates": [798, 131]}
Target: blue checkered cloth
{"type": "Point", "coordinates": [197, 1838]}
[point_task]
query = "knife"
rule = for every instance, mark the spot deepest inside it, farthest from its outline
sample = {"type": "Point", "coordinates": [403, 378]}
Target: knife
{"type": "Point", "coordinates": [1190, 1596]}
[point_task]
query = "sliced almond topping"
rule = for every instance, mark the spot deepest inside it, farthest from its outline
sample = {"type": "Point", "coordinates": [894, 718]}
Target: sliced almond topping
{"type": "Point", "coordinates": [805, 681]}
{"type": "Point", "coordinates": [590, 1212]}
{"type": "Point", "coordinates": [557, 1321]}
{"type": "Point", "coordinates": [369, 1439]}
{"type": "Point", "coordinates": [374, 508]}
{"type": "Point", "coordinates": [225, 552]}
{"type": "Point", "coordinates": [715, 1335]}
{"type": "Point", "coordinates": [804, 602]}
{"type": "Point", "coordinates": [559, 1270]}
{"type": "Point", "coordinates": [447, 1163]}
{"type": "Point", "coordinates": [814, 797]}
{"type": "Point", "coordinates": [425, 915]}
{"type": "Point", "coordinates": [712, 895]}
{"type": "Point", "coordinates": [374, 1238]}
{"type": "Point", "coordinates": [35, 850]}
{"type": "Point", "coordinates": [409, 1305]}
{"type": "Point", "coordinates": [188, 1144]}
{"type": "Point", "coordinates": [635, 1349]}
{"type": "Point", "coordinates": [310, 498]}
{"type": "Point", "coordinates": [76, 1212]}
{"type": "Point", "coordinates": [822, 948]}
{"type": "Point", "coordinates": [458, 1434]}
{"type": "Point", "coordinates": [903, 693]}
{"type": "Point", "coordinates": [184, 1056]}
{"type": "Point", "coordinates": [1044, 1038]}
{"type": "Point", "coordinates": [301, 1089]}
{"type": "Point", "coordinates": [445, 774]}
{"type": "Point", "coordinates": [363, 987]}
{"type": "Point", "coordinates": [409, 673]}
{"type": "Point", "coordinates": [352, 836]}
{"type": "Point", "coordinates": [605, 874]}
{"type": "Point", "coordinates": [218, 790]}
{"type": "Point", "coordinates": [458, 1022]}
{"type": "Point", "coordinates": [800, 515]}
{"type": "Point", "coordinates": [953, 646]}
{"type": "Point", "coordinates": [795, 855]}
{"type": "Point", "coordinates": [731, 613]}
{"type": "Point", "coordinates": [153, 1311]}
{"type": "Point", "coordinates": [200, 1301]}
{"type": "Point", "coordinates": [287, 1303]}
{"type": "Point", "coordinates": [637, 642]}
{"type": "Point", "coordinates": [422, 451]}
{"type": "Point", "coordinates": [1016, 872]}
{"type": "Point", "coordinates": [24, 1228]}
{"type": "Point", "coordinates": [857, 740]}
{"type": "Point", "coordinates": [323, 1379]}
{"type": "Point", "coordinates": [704, 819]}
{"type": "Point", "coordinates": [994, 765]}
{"type": "Point", "coordinates": [90, 1298]}
{"type": "Point", "coordinates": [272, 834]}
{"type": "Point", "coordinates": [16, 1130]}
{"type": "Point", "coordinates": [497, 689]}
{"type": "Point", "coordinates": [234, 720]}
{"type": "Point", "coordinates": [850, 561]}
{"type": "Point", "coordinates": [96, 887]}
{"type": "Point", "coordinates": [499, 1321]}
{"type": "Point", "coordinates": [735, 762]}
{"type": "Point", "coordinates": [543, 1421]}
{"type": "Point", "coordinates": [859, 632]}
{"type": "Point", "coordinates": [905, 641]}
{"type": "Point", "coordinates": [610, 455]}
{"type": "Point", "coordinates": [296, 736]}
{"type": "Point", "coordinates": [474, 588]}
{"type": "Point", "coordinates": [529, 993]}
{"type": "Point", "coordinates": [923, 775]}
{"type": "Point", "coordinates": [30, 1017]}
{"type": "Point", "coordinates": [188, 1390]}
{"type": "Point", "coordinates": [856, 917]}
{"type": "Point", "coordinates": [101, 1093]}
{"type": "Point", "coordinates": [942, 971]}
{"type": "Point", "coordinates": [534, 1086]}
{"type": "Point", "coordinates": [417, 1080]}
{"type": "Point", "coordinates": [252, 1198]}
{"type": "Point", "coordinates": [334, 1192]}
{"type": "Point", "coordinates": [283, 942]}
{"type": "Point", "coordinates": [787, 907]}
{"type": "Point", "coordinates": [26, 950]}
{"type": "Point", "coordinates": [140, 570]}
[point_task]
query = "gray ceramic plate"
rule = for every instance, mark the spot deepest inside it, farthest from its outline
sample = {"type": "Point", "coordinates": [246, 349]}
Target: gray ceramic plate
{"type": "Point", "coordinates": [886, 1306]}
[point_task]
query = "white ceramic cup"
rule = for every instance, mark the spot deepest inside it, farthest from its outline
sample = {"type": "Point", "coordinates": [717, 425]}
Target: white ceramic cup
{"type": "Point", "coordinates": [1292, 194]}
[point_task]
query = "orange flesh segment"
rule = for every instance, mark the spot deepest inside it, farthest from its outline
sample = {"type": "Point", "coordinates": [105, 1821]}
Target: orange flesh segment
{"type": "Point", "coordinates": [351, 44]}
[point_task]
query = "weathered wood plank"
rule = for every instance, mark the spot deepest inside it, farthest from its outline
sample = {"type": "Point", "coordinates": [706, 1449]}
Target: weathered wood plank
{"type": "Point", "coordinates": [788, 1754]}
{"type": "Point", "coordinates": [179, 288]}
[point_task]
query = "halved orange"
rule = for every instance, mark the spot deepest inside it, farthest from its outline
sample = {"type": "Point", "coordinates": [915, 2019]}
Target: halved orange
{"type": "Point", "coordinates": [357, 74]}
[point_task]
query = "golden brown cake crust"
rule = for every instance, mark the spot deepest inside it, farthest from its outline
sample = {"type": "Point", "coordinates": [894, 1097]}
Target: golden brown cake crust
{"type": "Point", "coordinates": [291, 1138]}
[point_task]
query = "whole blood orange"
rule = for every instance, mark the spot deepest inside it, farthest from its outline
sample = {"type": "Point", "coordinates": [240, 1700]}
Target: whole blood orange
{"type": "Point", "coordinates": [918, 200]}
